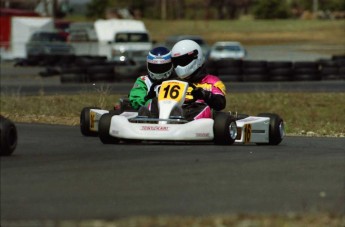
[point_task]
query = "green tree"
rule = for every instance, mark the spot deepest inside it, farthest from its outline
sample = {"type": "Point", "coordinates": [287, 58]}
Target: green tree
{"type": "Point", "coordinates": [271, 9]}
{"type": "Point", "coordinates": [97, 8]}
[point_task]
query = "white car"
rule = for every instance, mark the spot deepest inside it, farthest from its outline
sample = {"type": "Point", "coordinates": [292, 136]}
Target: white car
{"type": "Point", "coordinates": [224, 128]}
{"type": "Point", "coordinates": [227, 50]}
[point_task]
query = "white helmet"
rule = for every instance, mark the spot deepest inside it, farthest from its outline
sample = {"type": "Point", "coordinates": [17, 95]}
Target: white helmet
{"type": "Point", "coordinates": [187, 57]}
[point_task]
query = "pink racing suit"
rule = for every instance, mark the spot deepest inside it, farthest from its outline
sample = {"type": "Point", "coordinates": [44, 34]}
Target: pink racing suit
{"type": "Point", "coordinates": [203, 108]}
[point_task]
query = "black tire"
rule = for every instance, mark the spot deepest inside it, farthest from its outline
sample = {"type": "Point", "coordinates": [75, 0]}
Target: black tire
{"type": "Point", "coordinates": [327, 63]}
{"type": "Point", "coordinates": [230, 77]}
{"type": "Point", "coordinates": [338, 57]}
{"type": "Point", "coordinates": [311, 71]}
{"type": "Point", "coordinates": [73, 69]}
{"type": "Point", "coordinates": [103, 130]}
{"type": "Point", "coordinates": [306, 64]}
{"type": "Point", "coordinates": [305, 77]}
{"type": "Point", "coordinates": [212, 71]}
{"type": "Point", "coordinates": [254, 77]}
{"type": "Point", "coordinates": [280, 74]}
{"type": "Point", "coordinates": [329, 73]}
{"type": "Point", "coordinates": [279, 64]}
{"type": "Point", "coordinates": [101, 77]}
{"type": "Point", "coordinates": [254, 70]}
{"type": "Point", "coordinates": [276, 128]}
{"type": "Point", "coordinates": [9, 136]}
{"type": "Point", "coordinates": [105, 69]}
{"type": "Point", "coordinates": [228, 63]}
{"type": "Point", "coordinates": [254, 64]}
{"type": "Point", "coordinates": [342, 73]}
{"type": "Point", "coordinates": [224, 128]}
{"type": "Point", "coordinates": [103, 73]}
{"type": "Point", "coordinates": [71, 78]}
{"type": "Point", "coordinates": [229, 71]}
{"type": "Point", "coordinates": [85, 122]}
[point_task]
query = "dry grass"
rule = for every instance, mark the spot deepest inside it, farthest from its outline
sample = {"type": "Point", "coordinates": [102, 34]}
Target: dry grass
{"type": "Point", "coordinates": [239, 220]}
{"type": "Point", "coordinates": [304, 113]}
{"type": "Point", "coordinates": [253, 32]}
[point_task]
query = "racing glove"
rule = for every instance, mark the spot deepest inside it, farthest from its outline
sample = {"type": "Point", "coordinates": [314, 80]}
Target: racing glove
{"type": "Point", "coordinates": [215, 101]}
{"type": "Point", "coordinates": [199, 93]}
{"type": "Point", "coordinates": [152, 92]}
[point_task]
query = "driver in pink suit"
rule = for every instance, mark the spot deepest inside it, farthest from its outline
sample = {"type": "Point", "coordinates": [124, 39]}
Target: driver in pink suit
{"type": "Point", "coordinates": [206, 92]}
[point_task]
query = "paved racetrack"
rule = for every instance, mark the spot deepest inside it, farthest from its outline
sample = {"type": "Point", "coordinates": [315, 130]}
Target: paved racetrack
{"type": "Point", "coordinates": [56, 173]}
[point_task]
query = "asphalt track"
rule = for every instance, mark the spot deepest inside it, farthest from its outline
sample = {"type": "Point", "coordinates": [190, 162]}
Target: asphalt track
{"type": "Point", "coordinates": [57, 174]}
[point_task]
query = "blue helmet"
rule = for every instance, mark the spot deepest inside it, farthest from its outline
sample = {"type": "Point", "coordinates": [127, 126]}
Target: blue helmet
{"type": "Point", "coordinates": [159, 64]}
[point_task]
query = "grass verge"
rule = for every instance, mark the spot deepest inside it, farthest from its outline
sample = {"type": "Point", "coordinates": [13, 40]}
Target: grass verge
{"type": "Point", "coordinates": [240, 220]}
{"type": "Point", "coordinates": [311, 114]}
{"type": "Point", "coordinates": [253, 32]}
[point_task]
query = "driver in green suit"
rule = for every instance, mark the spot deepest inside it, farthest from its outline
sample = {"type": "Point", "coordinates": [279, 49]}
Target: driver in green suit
{"type": "Point", "coordinates": [146, 87]}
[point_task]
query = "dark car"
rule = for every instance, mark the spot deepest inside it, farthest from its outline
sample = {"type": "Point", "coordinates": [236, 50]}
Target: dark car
{"type": "Point", "coordinates": [48, 43]}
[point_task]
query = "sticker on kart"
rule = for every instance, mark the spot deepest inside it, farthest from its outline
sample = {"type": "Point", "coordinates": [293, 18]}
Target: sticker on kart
{"type": "Point", "coordinates": [172, 90]}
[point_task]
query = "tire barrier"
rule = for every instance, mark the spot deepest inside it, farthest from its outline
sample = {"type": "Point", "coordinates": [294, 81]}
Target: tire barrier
{"type": "Point", "coordinates": [261, 70]}
{"type": "Point", "coordinates": [254, 71]}
{"type": "Point", "coordinates": [83, 69]}
{"type": "Point", "coordinates": [280, 71]}
{"type": "Point", "coordinates": [329, 70]}
{"type": "Point", "coordinates": [229, 70]}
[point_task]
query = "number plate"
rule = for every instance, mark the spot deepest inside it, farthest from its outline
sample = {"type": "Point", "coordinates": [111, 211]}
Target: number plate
{"type": "Point", "coordinates": [173, 90]}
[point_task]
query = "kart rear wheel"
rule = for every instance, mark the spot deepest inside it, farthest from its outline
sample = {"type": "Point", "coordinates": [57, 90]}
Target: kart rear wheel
{"type": "Point", "coordinates": [276, 128]}
{"type": "Point", "coordinates": [85, 122]}
{"type": "Point", "coordinates": [104, 129]}
{"type": "Point", "coordinates": [224, 129]}
{"type": "Point", "coordinates": [8, 133]}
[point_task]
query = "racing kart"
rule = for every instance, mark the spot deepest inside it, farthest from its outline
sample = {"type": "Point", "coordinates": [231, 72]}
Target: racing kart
{"type": "Point", "coordinates": [224, 128]}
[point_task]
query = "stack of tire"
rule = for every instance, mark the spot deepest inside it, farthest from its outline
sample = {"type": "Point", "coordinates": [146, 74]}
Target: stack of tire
{"type": "Point", "coordinates": [225, 69]}
{"type": "Point", "coordinates": [88, 69]}
{"type": "Point", "coordinates": [229, 69]}
{"type": "Point", "coordinates": [254, 70]}
{"type": "Point", "coordinates": [211, 68]}
{"type": "Point", "coordinates": [306, 71]}
{"type": "Point", "coordinates": [340, 62]}
{"type": "Point", "coordinates": [280, 70]}
{"type": "Point", "coordinates": [328, 70]}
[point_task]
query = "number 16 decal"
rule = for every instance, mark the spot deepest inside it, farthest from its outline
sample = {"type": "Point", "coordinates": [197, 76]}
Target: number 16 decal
{"type": "Point", "coordinates": [172, 93]}
{"type": "Point", "coordinates": [172, 90]}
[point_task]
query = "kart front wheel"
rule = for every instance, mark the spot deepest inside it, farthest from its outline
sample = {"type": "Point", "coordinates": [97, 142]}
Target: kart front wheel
{"type": "Point", "coordinates": [276, 128]}
{"type": "Point", "coordinates": [224, 129]}
{"type": "Point", "coordinates": [85, 122]}
{"type": "Point", "coordinates": [8, 133]}
{"type": "Point", "coordinates": [104, 129]}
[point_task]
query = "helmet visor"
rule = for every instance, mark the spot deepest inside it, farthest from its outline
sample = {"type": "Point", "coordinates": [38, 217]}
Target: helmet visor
{"type": "Point", "coordinates": [159, 68]}
{"type": "Point", "coordinates": [185, 59]}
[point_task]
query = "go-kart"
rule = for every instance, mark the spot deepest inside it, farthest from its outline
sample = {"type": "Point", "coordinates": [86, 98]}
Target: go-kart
{"type": "Point", "coordinates": [224, 128]}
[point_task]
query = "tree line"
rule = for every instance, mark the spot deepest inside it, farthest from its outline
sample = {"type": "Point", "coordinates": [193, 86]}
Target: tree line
{"type": "Point", "coordinates": [214, 9]}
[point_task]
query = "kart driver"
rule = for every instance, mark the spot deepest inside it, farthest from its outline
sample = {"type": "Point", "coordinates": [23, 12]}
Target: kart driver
{"type": "Point", "coordinates": [145, 88]}
{"type": "Point", "coordinates": [207, 91]}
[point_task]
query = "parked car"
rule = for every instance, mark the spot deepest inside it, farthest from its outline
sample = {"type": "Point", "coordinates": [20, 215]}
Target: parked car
{"type": "Point", "coordinates": [227, 50]}
{"type": "Point", "coordinates": [48, 43]}
{"type": "Point", "coordinates": [171, 40]}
